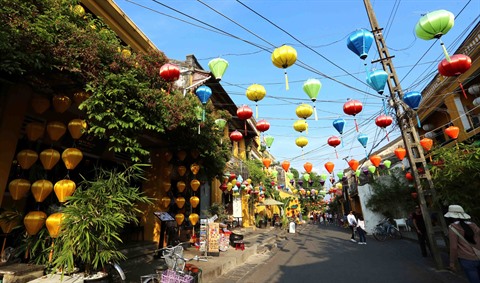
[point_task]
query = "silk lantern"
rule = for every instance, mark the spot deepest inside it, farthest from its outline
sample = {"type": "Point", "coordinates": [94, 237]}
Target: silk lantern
{"type": "Point", "coordinates": [304, 111]}
{"type": "Point", "coordinates": [218, 66]}
{"type": "Point", "coordinates": [413, 100]}
{"type": "Point", "coordinates": [383, 121]}
{"type": "Point", "coordinates": [179, 217]}
{"type": "Point", "coordinates": [353, 107]}
{"type": "Point", "coordinates": [169, 72]}
{"type": "Point", "coordinates": [76, 128]}
{"type": "Point", "coordinates": [35, 130]}
{"type": "Point", "coordinates": [301, 141]}
{"type": "Point", "coordinates": [375, 159]}
{"type": "Point", "coordinates": [269, 140]}
{"type": "Point", "coordinates": [26, 158]}
{"type": "Point", "coordinates": [193, 218]}
{"type": "Point", "coordinates": [426, 143]}
{"type": "Point", "coordinates": [312, 87]}
{"type": "Point", "coordinates": [34, 221]}
{"type": "Point", "coordinates": [308, 167]}
{"type": "Point", "coordinates": [434, 25]}
{"type": "Point", "coordinates": [53, 224]}
{"type": "Point", "coordinates": [63, 189]}
{"type": "Point", "coordinates": [266, 162]}
{"type": "Point", "coordinates": [195, 184]}
{"type": "Point", "coordinates": [203, 93]}
{"type": "Point", "coordinates": [181, 170]}
{"type": "Point", "coordinates": [166, 201]}
{"type": "Point", "coordinates": [400, 153]}
{"type": "Point", "coordinates": [71, 157]}
{"type": "Point", "coordinates": [61, 103]}
{"type": "Point", "coordinates": [363, 140]}
{"type": "Point", "coordinates": [180, 201]}
{"type": "Point", "coordinates": [244, 113]}
{"type": "Point", "coordinates": [262, 125]}
{"type": "Point", "coordinates": [236, 136]}
{"type": "Point", "coordinates": [300, 126]}
{"type": "Point", "coordinates": [56, 130]}
{"type": "Point", "coordinates": [452, 132]}
{"type": "Point", "coordinates": [284, 57]}
{"type": "Point", "coordinates": [457, 65]}
{"type": "Point", "coordinates": [377, 79]}
{"type": "Point", "coordinates": [19, 188]}
{"type": "Point", "coordinates": [49, 158]}
{"type": "Point", "coordinates": [181, 186]}
{"type": "Point", "coordinates": [353, 164]}
{"type": "Point", "coordinates": [334, 141]}
{"type": "Point", "coordinates": [329, 166]}
{"type": "Point", "coordinates": [181, 155]}
{"type": "Point", "coordinates": [195, 168]}
{"type": "Point", "coordinates": [256, 92]}
{"type": "Point", "coordinates": [40, 104]}
{"type": "Point", "coordinates": [360, 42]}
{"type": "Point", "coordinates": [285, 165]}
{"type": "Point", "coordinates": [194, 201]}
{"type": "Point", "coordinates": [80, 96]}
{"type": "Point", "coordinates": [41, 189]}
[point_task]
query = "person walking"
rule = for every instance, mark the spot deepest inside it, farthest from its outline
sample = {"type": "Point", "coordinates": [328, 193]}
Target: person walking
{"type": "Point", "coordinates": [464, 237]}
{"type": "Point", "coordinates": [352, 223]}
{"type": "Point", "coordinates": [361, 231]}
{"type": "Point", "coordinates": [420, 229]}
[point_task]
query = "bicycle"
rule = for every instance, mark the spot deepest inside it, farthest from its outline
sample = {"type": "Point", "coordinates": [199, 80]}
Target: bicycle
{"type": "Point", "coordinates": [385, 229]}
{"type": "Point", "coordinates": [115, 273]}
{"type": "Point", "coordinates": [175, 268]}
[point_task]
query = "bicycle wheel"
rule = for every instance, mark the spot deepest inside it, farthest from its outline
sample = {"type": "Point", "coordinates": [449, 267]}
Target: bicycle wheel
{"type": "Point", "coordinates": [115, 273]}
{"type": "Point", "coordinates": [379, 234]}
{"type": "Point", "coordinates": [395, 233]}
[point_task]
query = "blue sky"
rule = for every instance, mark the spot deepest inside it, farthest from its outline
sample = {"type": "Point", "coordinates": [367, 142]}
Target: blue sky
{"type": "Point", "coordinates": [245, 33]}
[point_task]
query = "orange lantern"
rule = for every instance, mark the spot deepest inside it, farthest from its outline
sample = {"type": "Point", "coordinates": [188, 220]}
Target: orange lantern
{"type": "Point", "coordinates": [194, 201]}
{"type": "Point", "coordinates": [181, 154]}
{"type": "Point", "coordinates": [80, 97]}
{"type": "Point", "coordinates": [34, 221]}
{"type": "Point", "coordinates": [19, 188]}
{"type": "Point", "coordinates": [166, 201]}
{"type": "Point", "coordinates": [181, 186]}
{"type": "Point", "coordinates": [61, 103]}
{"type": "Point", "coordinates": [193, 217]}
{"type": "Point", "coordinates": [166, 185]}
{"type": "Point", "coordinates": [400, 153]}
{"type": "Point", "coordinates": [35, 130]}
{"type": "Point", "coordinates": [41, 189]}
{"type": "Point", "coordinates": [64, 188]}
{"type": "Point", "coordinates": [76, 128]}
{"type": "Point", "coordinates": [285, 165]}
{"type": "Point", "coordinates": [49, 158]}
{"type": "Point", "coordinates": [266, 162]}
{"type": "Point", "coordinates": [71, 157]}
{"type": "Point", "coordinates": [375, 159]}
{"type": "Point", "coordinates": [26, 158]}
{"type": "Point", "coordinates": [452, 132]}
{"type": "Point", "coordinates": [194, 168]}
{"type": "Point", "coordinates": [180, 201]}
{"type": "Point", "coordinates": [426, 143]}
{"type": "Point", "coordinates": [181, 170]}
{"type": "Point", "coordinates": [195, 184]}
{"type": "Point", "coordinates": [353, 164]}
{"type": "Point", "coordinates": [56, 130]}
{"type": "Point", "coordinates": [53, 223]}
{"type": "Point", "coordinates": [329, 166]}
{"type": "Point", "coordinates": [179, 218]}
{"type": "Point", "coordinates": [168, 156]}
{"type": "Point", "coordinates": [308, 167]}
{"type": "Point", "coordinates": [40, 104]}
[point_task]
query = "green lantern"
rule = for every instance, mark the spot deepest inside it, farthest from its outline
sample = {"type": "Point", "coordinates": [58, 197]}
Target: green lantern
{"type": "Point", "coordinates": [434, 25]}
{"type": "Point", "coordinates": [269, 140]}
{"type": "Point", "coordinates": [372, 168]}
{"type": "Point", "coordinates": [290, 175]}
{"type": "Point", "coordinates": [312, 87]}
{"type": "Point", "coordinates": [306, 177]}
{"type": "Point", "coordinates": [323, 176]}
{"type": "Point", "coordinates": [218, 66]}
{"type": "Point", "coordinates": [387, 163]}
{"type": "Point", "coordinates": [357, 173]}
{"type": "Point", "coordinates": [220, 123]}
{"type": "Point", "coordinates": [340, 175]}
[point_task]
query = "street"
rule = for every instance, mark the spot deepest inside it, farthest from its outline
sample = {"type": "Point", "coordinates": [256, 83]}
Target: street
{"type": "Point", "coordinates": [326, 254]}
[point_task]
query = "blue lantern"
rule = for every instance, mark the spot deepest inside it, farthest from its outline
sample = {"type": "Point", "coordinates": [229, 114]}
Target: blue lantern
{"type": "Point", "coordinates": [363, 139]}
{"type": "Point", "coordinates": [203, 93]}
{"type": "Point", "coordinates": [339, 124]}
{"type": "Point", "coordinates": [413, 99]}
{"type": "Point", "coordinates": [360, 42]}
{"type": "Point", "coordinates": [377, 80]}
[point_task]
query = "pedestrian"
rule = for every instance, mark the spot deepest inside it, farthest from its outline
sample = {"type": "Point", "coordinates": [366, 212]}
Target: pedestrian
{"type": "Point", "coordinates": [352, 223]}
{"type": "Point", "coordinates": [420, 229]}
{"type": "Point", "coordinates": [464, 239]}
{"type": "Point", "coordinates": [361, 231]}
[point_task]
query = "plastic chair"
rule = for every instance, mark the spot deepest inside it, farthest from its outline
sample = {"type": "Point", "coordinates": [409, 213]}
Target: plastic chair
{"type": "Point", "coordinates": [401, 222]}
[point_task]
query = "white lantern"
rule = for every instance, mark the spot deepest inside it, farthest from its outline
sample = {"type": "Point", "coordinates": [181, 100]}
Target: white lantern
{"type": "Point", "coordinates": [474, 89]}
{"type": "Point", "coordinates": [476, 101]}
{"type": "Point", "coordinates": [430, 135]}
{"type": "Point", "coordinates": [428, 127]}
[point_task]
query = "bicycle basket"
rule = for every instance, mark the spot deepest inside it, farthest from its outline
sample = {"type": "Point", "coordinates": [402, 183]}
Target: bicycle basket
{"type": "Point", "coordinates": [170, 276]}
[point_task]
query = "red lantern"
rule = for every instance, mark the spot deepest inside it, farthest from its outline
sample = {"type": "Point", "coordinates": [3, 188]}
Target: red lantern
{"type": "Point", "coordinates": [308, 167]}
{"type": "Point", "coordinates": [236, 136]}
{"type": "Point", "coordinates": [458, 64]}
{"type": "Point", "coordinates": [244, 113]}
{"type": "Point", "coordinates": [353, 107]}
{"type": "Point", "coordinates": [383, 121]}
{"type": "Point", "coordinates": [452, 132]}
{"type": "Point", "coordinates": [334, 141]}
{"type": "Point", "coordinates": [170, 72]}
{"type": "Point", "coordinates": [223, 187]}
{"type": "Point", "coordinates": [414, 195]}
{"type": "Point", "coordinates": [409, 176]}
{"type": "Point", "coordinates": [400, 153]}
{"type": "Point", "coordinates": [426, 143]}
{"type": "Point", "coordinates": [263, 125]}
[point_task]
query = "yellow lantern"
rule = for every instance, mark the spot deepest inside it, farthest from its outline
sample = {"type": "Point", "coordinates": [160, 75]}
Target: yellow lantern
{"type": "Point", "coordinates": [71, 157]}
{"type": "Point", "coordinates": [195, 184]}
{"type": "Point", "coordinates": [300, 126]}
{"type": "Point", "coordinates": [166, 201]}
{"type": "Point", "coordinates": [194, 168]}
{"type": "Point", "coordinates": [304, 110]}
{"type": "Point", "coordinates": [166, 185]}
{"type": "Point", "coordinates": [179, 218]}
{"type": "Point", "coordinates": [56, 130]}
{"type": "Point", "coordinates": [64, 188]}
{"type": "Point", "coordinates": [181, 154]}
{"type": "Point", "coordinates": [76, 128]}
{"type": "Point", "coordinates": [194, 201]}
{"type": "Point", "coordinates": [40, 104]}
{"type": "Point", "coordinates": [301, 141]}
{"type": "Point", "coordinates": [167, 171]}
{"type": "Point", "coordinates": [34, 221]}
{"type": "Point", "coordinates": [19, 188]}
{"type": "Point", "coordinates": [181, 170]}
{"type": "Point", "coordinates": [26, 158]}
{"type": "Point", "coordinates": [80, 97]}
{"type": "Point", "coordinates": [283, 57]}
{"type": "Point", "coordinates": [41, 189]}
{"type": "Point", "coordinates": [61, 103]}
{"type": "Point", "coordinates": [180, 201]}
{"type": "Point", "coordinates": [35, 130]}
{"type": "Point", "coordinates": [256, 92]}
{"type": "Point", "coordinates": [193, 217]}
{"type": "Point", "coordinates": [49, 158]}
{"type": "Point", "coordinates": [181, 186]}
{"type": "Point", "coordinates": [53, 224]}
{"type": "Point", "coordinates": [9, 220]}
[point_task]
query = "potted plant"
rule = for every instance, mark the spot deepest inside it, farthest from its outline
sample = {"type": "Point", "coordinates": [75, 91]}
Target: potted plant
{"type": "Point", "coordinates": [94, 217]}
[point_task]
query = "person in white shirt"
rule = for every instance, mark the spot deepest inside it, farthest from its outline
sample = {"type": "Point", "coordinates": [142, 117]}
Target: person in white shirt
{"type": "Point", "coordinates": [352, 223]}
{"type": "Point", "coordinates": [361, 231]}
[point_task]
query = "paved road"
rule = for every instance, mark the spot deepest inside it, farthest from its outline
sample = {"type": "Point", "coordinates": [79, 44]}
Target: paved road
{"type": "Point", "coordinates": [325, 254]}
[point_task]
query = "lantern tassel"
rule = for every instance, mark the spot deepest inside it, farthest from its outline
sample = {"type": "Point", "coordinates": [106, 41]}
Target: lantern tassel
{"type": "Point", "coordinates": [336, 153]}
{"type": "Point", "coordinates": [315, 111]}
{"type": "Point", "coordinates": [418, 122]}
{"type": "Point", "coordinates": [50, 256]}
{"type": "Point", "coordinates": [447, 57]}
{"type": "Point", "coordinates": [356, 125]}
{"type": "Point", "coordinates": [286, 81]}
{"type": "Point", "coordinates": [245, 128]}
{"type": "Point", "coordinates": [386, 134]}
{"type": "Point", "coordinates": [463, 90]}
{"type": "Point", "coordinates": [203, 113]}
{"type": "Point", "coordinates": [4, 242]}
{"type": "Point", "coordinates": [198, 128]}
{"type": "Point", "coordinates": [256, 111]}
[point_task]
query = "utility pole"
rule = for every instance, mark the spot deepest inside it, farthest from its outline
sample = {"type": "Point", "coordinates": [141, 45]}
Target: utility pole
{"type": "Point", "coordinates": [411, 139]}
